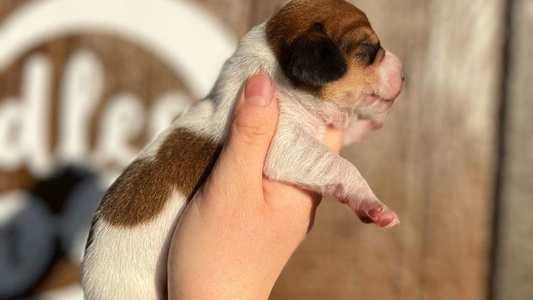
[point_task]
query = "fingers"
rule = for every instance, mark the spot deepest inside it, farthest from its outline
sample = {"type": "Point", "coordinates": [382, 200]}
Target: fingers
{"type": "Point", "coordinates": [292, 203]}
{"type": "Point", "coordinates": [253, 126]}
{"type": "Point", "coordinates": [334, 139]}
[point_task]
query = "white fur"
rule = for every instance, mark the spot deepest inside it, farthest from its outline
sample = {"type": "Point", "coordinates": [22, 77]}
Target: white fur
{"type": "Point", "coordinates": [130, 263]}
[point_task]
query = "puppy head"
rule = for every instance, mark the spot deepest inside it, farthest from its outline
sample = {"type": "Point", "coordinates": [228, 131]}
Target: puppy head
{"type": "Point", "coordinates": [329, 48]}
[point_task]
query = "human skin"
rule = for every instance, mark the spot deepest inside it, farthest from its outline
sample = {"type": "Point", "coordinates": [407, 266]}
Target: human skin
{"type": "Point", "coordinates": [240, 228]}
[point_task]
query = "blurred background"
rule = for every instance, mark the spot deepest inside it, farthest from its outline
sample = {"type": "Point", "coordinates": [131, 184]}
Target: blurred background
{"type": "Point", "coordinates": [84, 84]}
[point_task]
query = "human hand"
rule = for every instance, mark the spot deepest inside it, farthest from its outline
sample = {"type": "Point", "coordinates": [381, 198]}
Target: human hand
{"type": "Point", "coordinates": [240, 229]}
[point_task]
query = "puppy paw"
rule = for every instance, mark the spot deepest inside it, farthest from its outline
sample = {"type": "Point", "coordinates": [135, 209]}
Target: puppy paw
{"type": "Point", "coordinates": [373, 211]}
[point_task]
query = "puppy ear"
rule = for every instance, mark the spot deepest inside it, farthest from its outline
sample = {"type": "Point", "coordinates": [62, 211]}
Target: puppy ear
{"type": "Point", "coordinates": [313, 59]}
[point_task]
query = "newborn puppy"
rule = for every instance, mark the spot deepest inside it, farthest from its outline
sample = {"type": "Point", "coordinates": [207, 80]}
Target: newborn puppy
{"type": "Point", "coordinates": [328, 68]}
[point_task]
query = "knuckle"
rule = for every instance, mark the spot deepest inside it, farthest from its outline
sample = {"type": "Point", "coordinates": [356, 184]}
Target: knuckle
{"type": "Point", "coordinates": [250, 133]}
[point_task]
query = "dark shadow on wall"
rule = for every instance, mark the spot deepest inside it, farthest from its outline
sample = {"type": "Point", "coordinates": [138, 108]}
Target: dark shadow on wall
{"type": "Point", "coordinates": [48, 224]}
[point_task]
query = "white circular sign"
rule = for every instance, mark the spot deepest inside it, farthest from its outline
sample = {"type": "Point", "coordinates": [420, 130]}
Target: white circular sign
{"type": "Point", "coordinates": [189, 40]}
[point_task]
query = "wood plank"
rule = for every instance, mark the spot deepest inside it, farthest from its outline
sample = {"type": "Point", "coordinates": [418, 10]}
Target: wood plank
{"type": "Point", "coordinates": [514, 268]}
{"type": "Point", "coordinates": [148, 78]}
{"type": "Point", "coordinates": [343, 259]}
{"type": "Point", "coordinates": [10, 87]}
{"type": "Point", "coordinates": [460, 170]}
{"type": "Point", "coordinates": [237, 15]}
{"type": "Point", "coordinates": [433, 163]}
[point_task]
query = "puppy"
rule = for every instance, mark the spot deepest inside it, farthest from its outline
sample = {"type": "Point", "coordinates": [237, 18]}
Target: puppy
{"type": "Point", "coordinates": [328, 68]}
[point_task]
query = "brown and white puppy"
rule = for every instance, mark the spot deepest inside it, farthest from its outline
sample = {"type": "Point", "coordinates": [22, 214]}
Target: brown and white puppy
{"type": "Point", "coordinates": [328, 69]}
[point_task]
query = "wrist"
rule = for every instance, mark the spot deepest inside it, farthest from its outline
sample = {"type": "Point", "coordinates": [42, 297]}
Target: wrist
{"type": "Point", "coordinates": [209, 286]}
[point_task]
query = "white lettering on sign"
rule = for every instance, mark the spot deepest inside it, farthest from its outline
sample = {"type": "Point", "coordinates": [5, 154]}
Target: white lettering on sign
{"type": "Point", "coordinates": [192, 43]}
{"type": "Point", "coordinates": [82, 86]}
{"type": "Point", "coordinates": [24, 131]}
{"type": "Point", "coordinates": [121, 122]}
{"type": "Point", "coordinates": [165, 110]}
{"type": "Point", "coordinates": [183, 36]}
{"type": "Point", "coordinates": [11, 113]}
{"type": "Point", "coordinates": [195, 46]}
{"type": "Point", "coordinates": [25, 125]}
{"type": "Point", "coordinates": [36, 97]}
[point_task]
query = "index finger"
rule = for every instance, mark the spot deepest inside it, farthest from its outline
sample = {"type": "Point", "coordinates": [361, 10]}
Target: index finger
{"type": "Point", "coordinates": [334, 139]}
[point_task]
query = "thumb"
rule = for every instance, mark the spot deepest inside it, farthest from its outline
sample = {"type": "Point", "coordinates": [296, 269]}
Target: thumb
{"type": "Point", "coordinates": [253, 125]}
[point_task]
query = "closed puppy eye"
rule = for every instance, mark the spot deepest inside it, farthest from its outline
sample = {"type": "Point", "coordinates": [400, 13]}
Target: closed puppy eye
{"type": "Point", "coordinates": [367, 52]}
{"type": "Point", "coordinates": [319, 27]}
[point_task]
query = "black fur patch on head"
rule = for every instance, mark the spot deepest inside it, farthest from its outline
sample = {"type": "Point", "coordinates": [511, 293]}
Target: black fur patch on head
{"type": "Point", "coordinates": [313, 59]}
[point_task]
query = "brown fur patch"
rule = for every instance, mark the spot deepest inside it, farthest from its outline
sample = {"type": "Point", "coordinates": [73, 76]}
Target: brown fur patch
{"type": "Point", "coordinates": [348, 27]}
{"type": "Point", "coordinates": [141, 192]}
{"type": "Point", "coordinates": [298, 16]}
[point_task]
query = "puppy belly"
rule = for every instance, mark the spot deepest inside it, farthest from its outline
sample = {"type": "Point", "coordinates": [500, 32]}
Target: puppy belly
{"type": "Point", "coordinates": [130, 263]}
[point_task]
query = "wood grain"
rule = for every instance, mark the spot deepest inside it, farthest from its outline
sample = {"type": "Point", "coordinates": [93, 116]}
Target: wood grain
{"type": "Point", "coordinates": [514, 270]}
{"type": "Point", "coordinates": [147, 78]}
{"type": "Point", "coordinates": [10, 87]}
{"type": "Point", "coordinates": [236, 15]}
{"type": "Point", "coordinates": [434, 162]}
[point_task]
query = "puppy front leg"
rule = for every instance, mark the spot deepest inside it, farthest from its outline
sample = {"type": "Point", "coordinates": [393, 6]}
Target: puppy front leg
{"type": "Point", "coordinates": [360, 129]}
{"type": "Point", "coordinates": [298, 158]}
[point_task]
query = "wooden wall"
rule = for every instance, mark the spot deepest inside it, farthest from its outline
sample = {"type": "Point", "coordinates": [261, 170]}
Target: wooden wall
{"type": "Point", "coordinates": [435, 161]}
{"type": "Point", "coordinates": [514, 262]}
